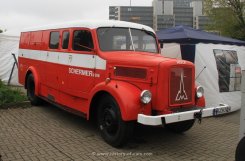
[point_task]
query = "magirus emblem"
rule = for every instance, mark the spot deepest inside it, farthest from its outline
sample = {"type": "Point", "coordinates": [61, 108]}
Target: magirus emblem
{"type": "Point", "coordinates": [181, 95]}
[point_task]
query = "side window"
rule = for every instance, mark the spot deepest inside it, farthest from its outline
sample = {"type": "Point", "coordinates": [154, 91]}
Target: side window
{"type": "Point", "coordinates": [65, 40]}
{"type": "Point", "coordinates": [54, 40]}
{"type": "Point", "coordinates": [82, 40]}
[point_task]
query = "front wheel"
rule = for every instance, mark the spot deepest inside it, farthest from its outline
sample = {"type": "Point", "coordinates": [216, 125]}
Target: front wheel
{"type": "Point", "coordinates": [113, 129]}
{"type": "Point", "coordinates": [35, 100]}
{"type": "Point", "coordinates": [180, 127]}
{"type": "Point", "coordinates": [240, 156]}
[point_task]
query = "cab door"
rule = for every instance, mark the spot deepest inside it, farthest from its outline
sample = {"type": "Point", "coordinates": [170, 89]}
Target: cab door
{"type": "Point", "coordinates": [81, 63]}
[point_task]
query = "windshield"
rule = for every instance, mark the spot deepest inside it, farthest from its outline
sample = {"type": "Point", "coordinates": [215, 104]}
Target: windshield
{"type": "Point", "coordinates": [121, 39]}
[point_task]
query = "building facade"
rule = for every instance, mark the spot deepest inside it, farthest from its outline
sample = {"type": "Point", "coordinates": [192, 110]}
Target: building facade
{"type": "Point", "coordinates": [142, 15]}
{"type": "Point", "coordinates": [163, 14]}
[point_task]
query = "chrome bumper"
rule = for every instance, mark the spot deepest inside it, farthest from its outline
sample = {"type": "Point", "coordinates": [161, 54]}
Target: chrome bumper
{"type": "Point", "coordinates": [183, 116]}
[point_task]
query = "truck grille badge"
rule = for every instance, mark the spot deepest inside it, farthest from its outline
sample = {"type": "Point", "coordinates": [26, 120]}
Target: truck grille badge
{"type": "Point", "coordinates": [181, 95]}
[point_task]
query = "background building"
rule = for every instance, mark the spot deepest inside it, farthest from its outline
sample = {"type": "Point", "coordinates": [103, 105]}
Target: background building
{"type": "Point", "coordinates": [142, 15]}
{"type": "Point", "coordinates": [183, 16]}
{"type": "Point", "coordinates": [170, 13]}
{"type": "Point", "coordinates": [163, 14]}
{"type": "Point", "coordinates": [182, 3]}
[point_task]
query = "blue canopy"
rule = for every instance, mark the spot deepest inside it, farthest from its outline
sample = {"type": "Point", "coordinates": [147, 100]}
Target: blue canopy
{"type": "Point", "coordinates": [188, 35]}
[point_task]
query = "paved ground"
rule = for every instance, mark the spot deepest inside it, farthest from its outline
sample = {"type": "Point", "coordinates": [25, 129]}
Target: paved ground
{"type": "Point", "coordinates": [48, 133]}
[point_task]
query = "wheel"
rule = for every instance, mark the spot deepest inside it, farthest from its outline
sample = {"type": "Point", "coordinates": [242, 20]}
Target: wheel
{"type": "Point", "coordinates": [180, 127]}
{"type": "Point", "coordinates": [113, 129]}
{"type": "Point", "coordinates": [240, 156]}
{"type": "Point", "coordinates": [35, 100]}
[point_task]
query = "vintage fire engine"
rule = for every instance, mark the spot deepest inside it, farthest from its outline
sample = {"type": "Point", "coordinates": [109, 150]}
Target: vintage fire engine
{"type": "Point", "coordinates": [111, 71]}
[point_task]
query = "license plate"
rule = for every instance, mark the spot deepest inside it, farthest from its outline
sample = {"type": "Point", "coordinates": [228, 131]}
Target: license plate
{"type": "Point", "coordinates": [222, 110]}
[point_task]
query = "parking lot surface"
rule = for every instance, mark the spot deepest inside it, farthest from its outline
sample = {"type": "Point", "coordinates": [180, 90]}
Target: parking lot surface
{"type": "Point", "coordinates": [49, 133]}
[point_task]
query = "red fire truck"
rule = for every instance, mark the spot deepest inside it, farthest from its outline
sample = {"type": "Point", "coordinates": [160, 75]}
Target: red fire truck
{"type": "Point", "coordinates": [111, 71]}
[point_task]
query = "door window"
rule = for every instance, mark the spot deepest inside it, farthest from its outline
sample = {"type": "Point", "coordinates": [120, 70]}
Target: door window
{"type": "Point", "coordinates": [82, 41]}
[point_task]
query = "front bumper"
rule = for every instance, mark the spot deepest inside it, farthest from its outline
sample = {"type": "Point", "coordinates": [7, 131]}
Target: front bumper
{"type": "Point", "coordinates": [183, 116]}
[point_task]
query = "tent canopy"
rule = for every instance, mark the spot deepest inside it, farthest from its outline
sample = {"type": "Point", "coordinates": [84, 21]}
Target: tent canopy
{"type": "Point", "coordinates": [188, 35]}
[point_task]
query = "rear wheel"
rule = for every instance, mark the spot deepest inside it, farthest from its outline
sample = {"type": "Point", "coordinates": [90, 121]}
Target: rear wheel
{"type": "Point", "coordinates": [181, 127]}
{"type": "Point", "coordinates": [35, 100]}
{"type": "Point", "coordinates": [113, 129]}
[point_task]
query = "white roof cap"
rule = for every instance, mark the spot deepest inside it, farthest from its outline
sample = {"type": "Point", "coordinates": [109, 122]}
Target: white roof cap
{"type": "Point", "coordinates": [92, 24]}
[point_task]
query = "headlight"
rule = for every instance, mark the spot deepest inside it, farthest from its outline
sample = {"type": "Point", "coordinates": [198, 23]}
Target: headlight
{"type": "Point", "coordinates": [199, 92]}
{"type": "Point", "coordinates": [145, 96]}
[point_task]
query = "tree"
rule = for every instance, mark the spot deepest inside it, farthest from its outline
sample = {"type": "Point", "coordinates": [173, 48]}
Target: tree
{"type": "Point", "coordinates": [227, 16]}
{"type": "Point", "coordinates": [1, 31]}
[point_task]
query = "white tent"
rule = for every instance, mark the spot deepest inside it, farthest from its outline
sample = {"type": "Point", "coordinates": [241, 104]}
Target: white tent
{"type": "Point", "coordinates": [206, 68]}
{"type": "Point", "coordinates": [218, 61]}
{"type": "Point", "coordinates": [9, 43]}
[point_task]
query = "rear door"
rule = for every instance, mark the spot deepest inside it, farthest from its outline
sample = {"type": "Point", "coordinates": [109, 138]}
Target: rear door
{"type": "Point", "coordinates": [51, 66]}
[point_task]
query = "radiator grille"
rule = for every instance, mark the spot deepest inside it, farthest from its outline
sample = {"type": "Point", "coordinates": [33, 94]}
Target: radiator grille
{"type": "Point", "coordinates": [180, 86]}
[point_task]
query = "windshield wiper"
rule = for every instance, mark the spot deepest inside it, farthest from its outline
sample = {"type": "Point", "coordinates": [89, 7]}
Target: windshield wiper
{"type": "Point", "coordinates": [131, 38]}
{"type": "Point", "coordinates": [148, 32]}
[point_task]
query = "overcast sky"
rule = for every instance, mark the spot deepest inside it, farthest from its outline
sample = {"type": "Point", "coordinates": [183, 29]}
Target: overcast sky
{"type": "Point", "coordinates": [19, 14]}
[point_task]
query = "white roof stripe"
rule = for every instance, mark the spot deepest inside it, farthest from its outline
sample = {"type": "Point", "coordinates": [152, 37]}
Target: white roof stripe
{"type": "Point", "coordinates": [92, 24]}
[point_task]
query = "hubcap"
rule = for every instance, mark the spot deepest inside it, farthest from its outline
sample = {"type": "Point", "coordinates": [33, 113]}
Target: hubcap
{"type": "Point", "coordinates": [110, 121]}
{"type": "Point", "coordinates": [31, 89]}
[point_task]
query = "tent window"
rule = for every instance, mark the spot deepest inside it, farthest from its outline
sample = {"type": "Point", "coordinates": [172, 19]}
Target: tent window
{"type": "Point", "coordinates": [54, 40]}
{"type": "Point", "coordinates": [229, 70]}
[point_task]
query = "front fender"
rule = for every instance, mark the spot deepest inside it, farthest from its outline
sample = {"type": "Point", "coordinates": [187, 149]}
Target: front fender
{"type": "Point", "coordinates": [200, 102]}
{"type": "Point", "coordinates": [126, 95]}
{"type": "Point", "coordinates": [36, 78]}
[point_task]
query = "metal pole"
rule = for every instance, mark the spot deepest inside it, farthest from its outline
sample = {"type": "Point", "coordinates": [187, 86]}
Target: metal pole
{"type": "Point", "coordinates": [15, 63]}
{"type": "Point", "coordinates": [15, 60]}
{"type": "Point", "coordinates": [242, 118]}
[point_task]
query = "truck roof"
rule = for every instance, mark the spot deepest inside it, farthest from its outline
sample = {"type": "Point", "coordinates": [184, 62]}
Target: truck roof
{"type": "Point", "coordinates": [91, 24]}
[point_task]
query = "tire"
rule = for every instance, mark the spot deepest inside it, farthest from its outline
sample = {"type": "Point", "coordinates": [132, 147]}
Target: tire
{"type": "Point", "coordinates": [113, 129]}
{"type": "Point", "coordinates": [181, 127]}
{"type": "Point", "coordinates": [35, 100]}
{"type": "Point", "coordinates": [240, 155]}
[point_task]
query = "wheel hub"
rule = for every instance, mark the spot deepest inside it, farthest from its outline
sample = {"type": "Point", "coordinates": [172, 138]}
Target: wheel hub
{"type": "Point", "coordinates": [110, 121]}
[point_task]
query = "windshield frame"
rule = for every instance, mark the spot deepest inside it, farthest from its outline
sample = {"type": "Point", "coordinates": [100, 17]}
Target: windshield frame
{"type": "Point", "coordinates": [152, 34]}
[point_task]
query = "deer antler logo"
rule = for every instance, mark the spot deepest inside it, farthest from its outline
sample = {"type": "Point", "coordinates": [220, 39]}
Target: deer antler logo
{"type": "Point", "coordinates": [181, 95]}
